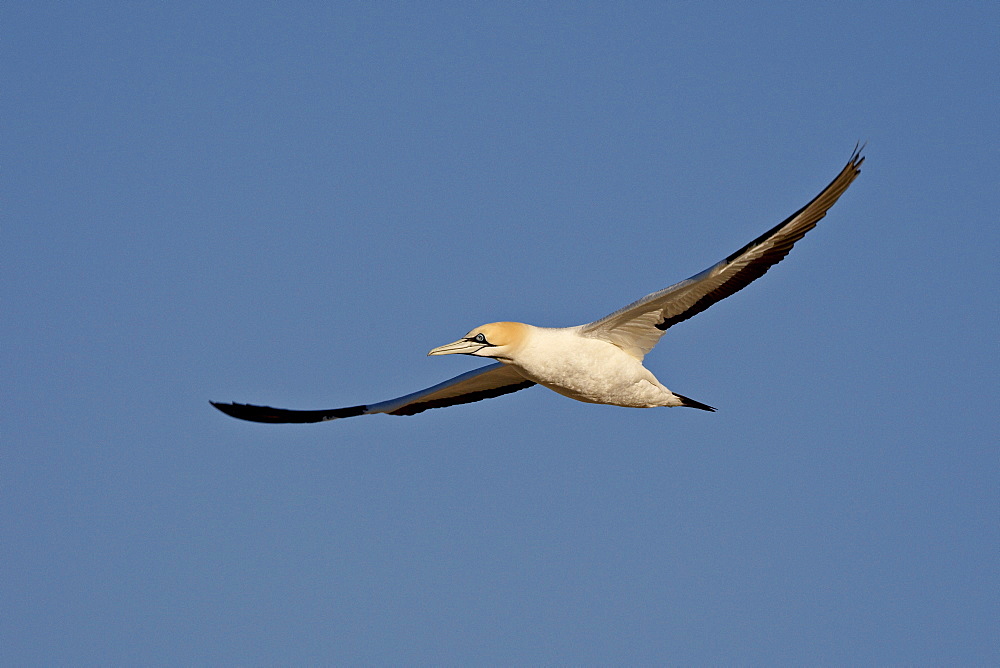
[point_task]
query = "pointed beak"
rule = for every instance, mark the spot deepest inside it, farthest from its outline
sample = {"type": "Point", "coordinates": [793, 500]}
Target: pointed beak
{"type": "Point", "coordinates": [460, 347]}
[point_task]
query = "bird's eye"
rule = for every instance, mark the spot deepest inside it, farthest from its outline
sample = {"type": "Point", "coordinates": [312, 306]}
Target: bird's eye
{"type": "Point", "coordinates": [480, 338]}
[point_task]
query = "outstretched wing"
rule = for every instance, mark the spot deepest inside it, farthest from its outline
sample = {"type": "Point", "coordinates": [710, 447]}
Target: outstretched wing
{"type": "Point", "coordinates": [639, 326]}
{"type": "Point", "coordinates": [483, 383]}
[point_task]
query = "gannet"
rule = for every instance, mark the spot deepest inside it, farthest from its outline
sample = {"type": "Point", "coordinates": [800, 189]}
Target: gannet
{"type": "Point", "coordinates": [600, 362]}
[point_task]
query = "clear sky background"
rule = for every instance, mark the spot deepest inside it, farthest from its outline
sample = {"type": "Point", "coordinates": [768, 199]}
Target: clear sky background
{"type": "Point", "coordinates": [290, 204]}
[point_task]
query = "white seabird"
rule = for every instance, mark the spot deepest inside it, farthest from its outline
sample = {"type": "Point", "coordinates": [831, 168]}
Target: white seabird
{"type": "Point", "coordinates": [600, 362]}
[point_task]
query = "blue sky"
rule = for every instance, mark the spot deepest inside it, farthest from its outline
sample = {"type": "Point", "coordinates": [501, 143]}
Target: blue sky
{"type": "Point", "coordinates": [290, 204]}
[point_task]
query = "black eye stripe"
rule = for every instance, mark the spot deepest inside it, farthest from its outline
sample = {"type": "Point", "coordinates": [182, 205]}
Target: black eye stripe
{"type": "Point", "coordinates": [479, 338]}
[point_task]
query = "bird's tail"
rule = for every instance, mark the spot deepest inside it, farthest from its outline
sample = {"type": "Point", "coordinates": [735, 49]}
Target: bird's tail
{"type": "Point", "coordinates": [691, 403]}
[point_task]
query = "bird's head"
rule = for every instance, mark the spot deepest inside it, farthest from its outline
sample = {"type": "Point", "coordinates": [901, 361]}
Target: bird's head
{"type": "Point", "coordinates": [497, 340]}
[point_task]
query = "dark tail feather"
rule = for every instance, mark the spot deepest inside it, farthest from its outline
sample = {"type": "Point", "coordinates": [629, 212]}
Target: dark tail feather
{"type": "Point", "coordinates": [691, 403]}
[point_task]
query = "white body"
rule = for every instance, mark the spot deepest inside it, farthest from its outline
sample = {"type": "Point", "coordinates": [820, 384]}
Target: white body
{"type": "Point", "coordinates": [587, 369]}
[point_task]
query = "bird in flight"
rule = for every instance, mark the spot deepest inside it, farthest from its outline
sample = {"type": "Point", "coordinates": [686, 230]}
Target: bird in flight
{"type": "Point", "coordinates": [600, 362]}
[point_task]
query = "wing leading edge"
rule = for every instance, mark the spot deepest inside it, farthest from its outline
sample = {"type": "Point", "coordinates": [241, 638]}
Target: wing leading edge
{"type": "Point", "coordinates": [486, 382]}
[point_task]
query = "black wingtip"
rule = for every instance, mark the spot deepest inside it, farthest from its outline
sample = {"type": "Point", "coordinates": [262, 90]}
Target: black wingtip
{"type": "Point", "coordinates": [691, 403]}
{"type": "Point", "coordinates": [270, 415]}
{"type": "Point", "coordinates": [858, 158]}
{"type": "Point", "coordinates": [247, 412]}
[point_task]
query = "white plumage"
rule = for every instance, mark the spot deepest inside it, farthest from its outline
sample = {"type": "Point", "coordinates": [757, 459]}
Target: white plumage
{"type": "Point", "coordinates": [600, 362]}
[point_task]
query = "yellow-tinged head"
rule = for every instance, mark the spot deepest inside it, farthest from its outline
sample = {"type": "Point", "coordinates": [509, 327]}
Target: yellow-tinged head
{"type": "Point", "coordinates": [497, 340]}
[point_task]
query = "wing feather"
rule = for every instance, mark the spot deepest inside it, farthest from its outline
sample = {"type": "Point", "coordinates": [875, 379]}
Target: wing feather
{"type": "Point", "coordinates": [486, 382]}
{"type": "Point", "coordinates": [638, 327]}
